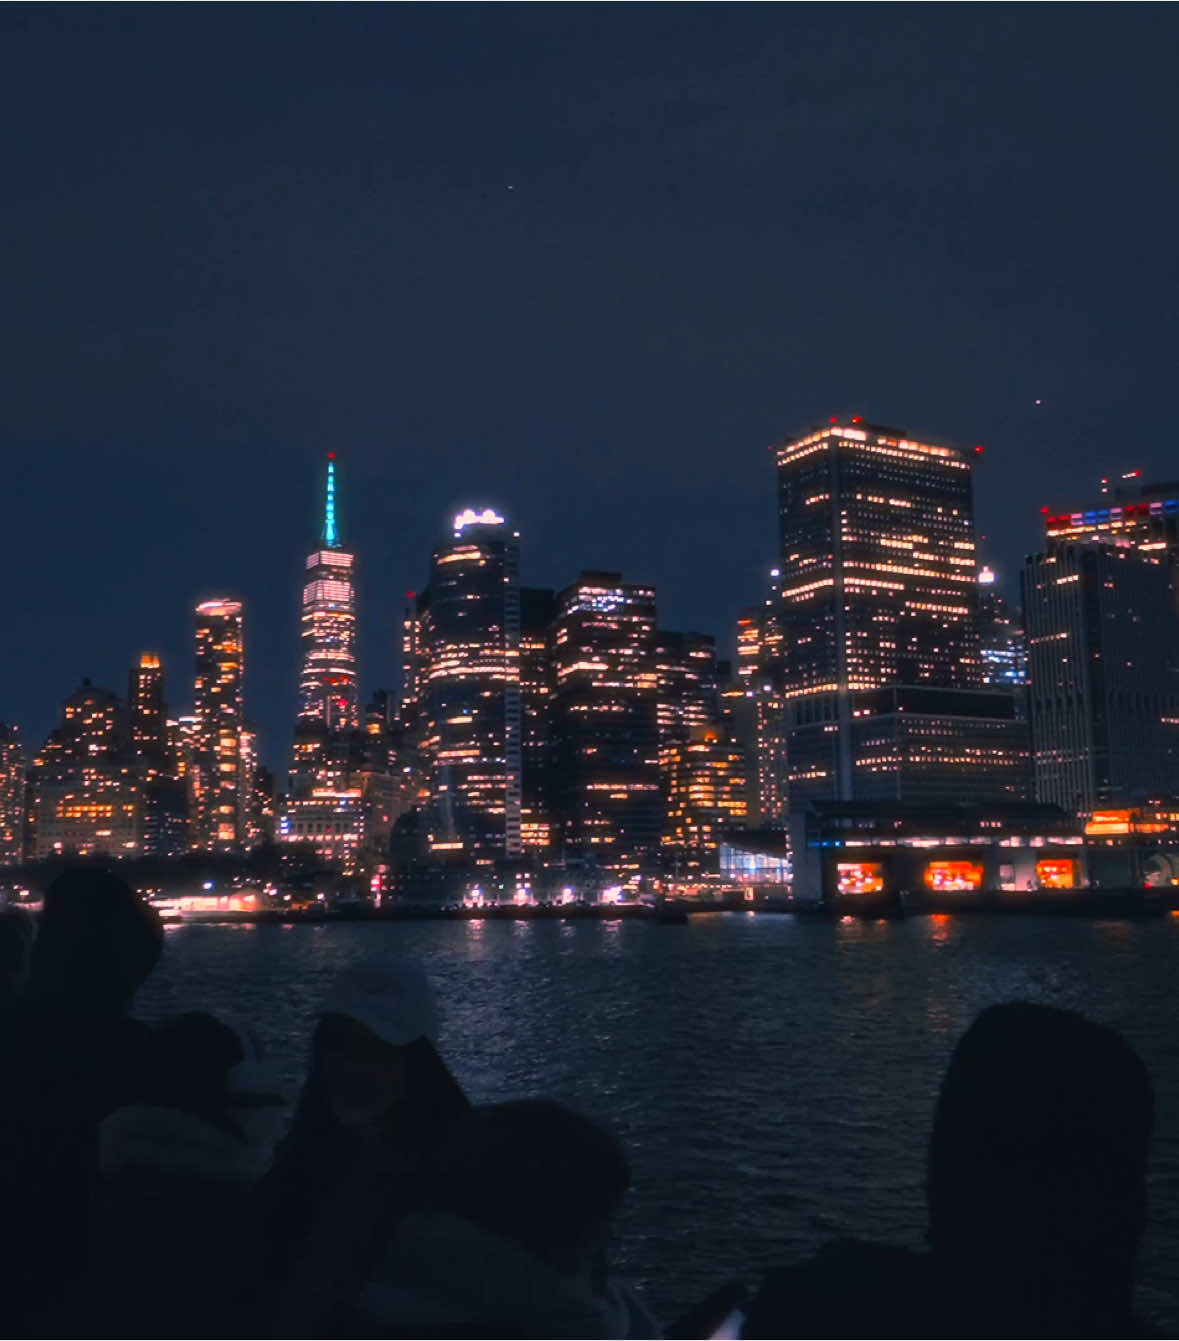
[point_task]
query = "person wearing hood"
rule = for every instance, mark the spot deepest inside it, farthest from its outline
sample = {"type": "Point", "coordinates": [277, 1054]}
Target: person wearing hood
{"type": "Point", "coordinates": [378, 1100]}
{"type": "Point", "coordinates": [176, 1186]}
{"type": "Point", "coordinates": [515, 1241]}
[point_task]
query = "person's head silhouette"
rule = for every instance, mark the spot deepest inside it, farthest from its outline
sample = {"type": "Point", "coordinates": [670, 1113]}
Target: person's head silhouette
{"type": "Point", "coordinates": [1037, 1167]}
{"type": "Point", "coordinates": [97, 942]}
{"type": "Point", "coordinates": [539, 1174]}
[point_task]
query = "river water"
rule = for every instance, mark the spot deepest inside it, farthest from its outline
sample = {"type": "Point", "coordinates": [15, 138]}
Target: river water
{"type": "Point", "coordinates": [773, 1079]}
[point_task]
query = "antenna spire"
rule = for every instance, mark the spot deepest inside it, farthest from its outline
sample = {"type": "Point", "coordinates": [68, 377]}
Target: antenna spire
{"type": "Point", "coordinates": [331, 537]}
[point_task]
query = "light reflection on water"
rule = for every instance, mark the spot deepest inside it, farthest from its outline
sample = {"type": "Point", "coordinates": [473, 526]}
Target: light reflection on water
{"type": "Point", "coordinates": [773, 1078]}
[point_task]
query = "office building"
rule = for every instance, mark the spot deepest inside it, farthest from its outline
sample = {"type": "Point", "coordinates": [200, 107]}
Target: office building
{"type": "Point", "coordinates": [538, 606]}
{"type": "Point", "coordinates": [685, 666]}
{"type": "Point", "coordinates": [606, 781]}
{"type": "Point", "coordinates": [875, 602]}
{"type": "Point", "coordinates": [12, 795]}
{"type": "Point", "coordinates": [466, 685]}
{"type": "Point", "coordinates": [327, 680]}
{"type": "Point", "coordinates": [705, 797]}
{"type": "Point", "coordinates": [216, 774]}
{"type": "Point", "coordinates": [1103, 660]}
{"type": "Point", "coordinates": [1001, 642]}
{"type": "Point", "coordinates": [84, 794]}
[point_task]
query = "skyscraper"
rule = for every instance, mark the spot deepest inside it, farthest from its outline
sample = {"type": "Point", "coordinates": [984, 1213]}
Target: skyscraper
{"type": "Point", "coordinates": [469, 700]}
{"type": "Point", "coordinates": [84, 795]}
{"type": "Point", "coordinates": [605, 780]}
{"type": "Point", "coordinates": [216, 772]}
{"type": "Point", "coordinates": [1103, 660]}
{"type": "Point", "coordinates": [705, 796]}
{"type": "Point", "coordinates": [538, 605]}
{"type": "Point", "coordinates": [1001, 642]}
{"type": "Point", "coordinates": [12, 795]}
{"type": "Point", "coordinates": [327, 681]}
{"type": "Point", "coordinates": [155, 762]}
{"type": "Point", "coordinates": [685, 664]}
{"type": "Point", "coordinates": [878, 666]}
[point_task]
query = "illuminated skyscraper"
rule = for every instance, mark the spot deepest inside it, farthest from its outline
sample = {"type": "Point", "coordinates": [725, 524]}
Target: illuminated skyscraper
{"type": "Point", "coordinates": [606, 781]}
{"type": "Point", "coordinates": [706, 796]}
{"type": "Point", "coordinates": [216, 771]}
{"type": "Point", "coordinates": [155, 762]}
{"type": "Point", "coordinates": [147, 712]}
{"type": "Point", "coordinates": [85, 797]}
{"type": "Point", "coordinates": [1103, 661]}
{"type": "Point", "coordinates": [685, 664]}
{"type": "Point", "coordinates": [12, 795]}
{"type": "Point", "coordinates": [879, 670]}
{"type": "Point", "coordinates": [413, 661]}
{"type": "Point", "coordinates": [469, 698]}
{"type": "Point", "coordinates": [538, 605]}
{"type": "Point", "coordinates": [327, 682]}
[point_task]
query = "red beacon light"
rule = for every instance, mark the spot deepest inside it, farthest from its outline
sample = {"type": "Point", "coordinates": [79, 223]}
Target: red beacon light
{"type": "Point", "coordinates": [331, 456]}
{"type": "Point", "coordinates": [856, 419]}
{"type": "Point", "coordinates": [978, 449]}
{"type": "Point", "coordinates": [833, 420]}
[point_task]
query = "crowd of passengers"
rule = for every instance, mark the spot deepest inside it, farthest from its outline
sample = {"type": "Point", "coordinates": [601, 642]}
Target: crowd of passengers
{"type": "Point", "coordinates": [155, 1184]}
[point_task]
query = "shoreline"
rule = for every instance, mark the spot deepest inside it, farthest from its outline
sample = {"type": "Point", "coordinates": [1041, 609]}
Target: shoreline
{"type": "Point", "coordinates": [1097, 905]}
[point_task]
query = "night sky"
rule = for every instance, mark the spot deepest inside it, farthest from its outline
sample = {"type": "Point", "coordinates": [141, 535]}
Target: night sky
{"type": "Point", "coordinates": [583, 263]}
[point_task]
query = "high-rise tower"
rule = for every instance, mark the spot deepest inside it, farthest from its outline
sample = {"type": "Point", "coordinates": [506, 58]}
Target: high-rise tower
{"type": "Point", "coordinates": [878, 669]}
{"type": "Point", "coordinates": [216, 773]}
{"type": "Point", "coordinates": [12, 795]}
{"type": "Point", "coordinates": [327, 681]}
{"type": "Point", "coordinates": [605, 770]}
{"type": "Point", "coordinates": [470, 700]}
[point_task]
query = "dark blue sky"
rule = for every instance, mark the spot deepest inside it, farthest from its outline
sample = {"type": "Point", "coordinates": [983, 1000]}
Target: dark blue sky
{"type": "Point", "coordinates": [234, 237]}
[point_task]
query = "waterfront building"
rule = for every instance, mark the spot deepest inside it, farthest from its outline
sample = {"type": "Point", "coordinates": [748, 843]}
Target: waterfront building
{"type": "Point", "coordinates": [466, 685]}
{"type": "Point", "coordinates": [84, 795]}
{"type": "Point", "coordinates": [849, 849]}
{"type": "Point", "coordinates": [1103, 657]}
{"type": "Point", "coordinates": [875, 612]}
{"type": "Point", "coordinates": [327, 679]}
{"type": "Point", "coordinates": [705, 797]}
{"type": "Point", "coordinates": [12, 795]}
{"type": "Point", "coordinates": [215, 773]}
{"type": "Point", "coordinates": [606, 782]}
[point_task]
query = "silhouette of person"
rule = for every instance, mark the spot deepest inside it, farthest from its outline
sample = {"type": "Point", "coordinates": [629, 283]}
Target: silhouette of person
{"type": "Point", "coordinates": [1037, 1174]}
{"type": "Point", "coordinates": [1037, 1204]}
{"type": "Point", "coordinates": [514, 1242]}
{"type": "Point", "coordinates": [71, 1056]}
{"type": "Point", "coordinates": [378, 1098]}
{"type": "Point", "coordinates": [177, 1178]}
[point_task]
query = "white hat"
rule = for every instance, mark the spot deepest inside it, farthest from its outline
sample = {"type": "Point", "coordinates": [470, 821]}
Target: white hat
{"type": "Point", "coordinates": [390, 997]}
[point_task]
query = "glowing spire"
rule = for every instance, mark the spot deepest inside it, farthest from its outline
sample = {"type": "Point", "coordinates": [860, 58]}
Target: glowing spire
{"type": "Point", "coordinates": [330, 536]}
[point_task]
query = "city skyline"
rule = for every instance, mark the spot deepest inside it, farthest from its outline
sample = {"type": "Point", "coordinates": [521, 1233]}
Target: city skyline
{"type": "Point", "coordinates": [590, 295]}
{"type": "Point", "coordinates": [269, 706]}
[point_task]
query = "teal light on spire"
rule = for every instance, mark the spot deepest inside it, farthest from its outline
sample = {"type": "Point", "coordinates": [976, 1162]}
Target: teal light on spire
{"type": "Point", "coordinates": [331, 537]}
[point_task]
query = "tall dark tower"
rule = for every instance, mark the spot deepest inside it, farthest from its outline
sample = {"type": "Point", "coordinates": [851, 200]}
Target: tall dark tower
{"type": "Point", "coordinates": [327, 681]}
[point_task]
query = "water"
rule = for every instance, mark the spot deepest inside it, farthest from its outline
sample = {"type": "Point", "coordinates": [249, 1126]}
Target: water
{"type": "Point", "coordinates": [773, 1079]}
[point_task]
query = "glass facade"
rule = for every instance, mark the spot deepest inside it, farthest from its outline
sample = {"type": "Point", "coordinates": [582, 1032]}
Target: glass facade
{"type": "Point", "coordinates": [606, 779]}
{"type": "Point", "coordinates": [1103, 659]}
{"type": "Point", "coordinates": [469, 694]}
